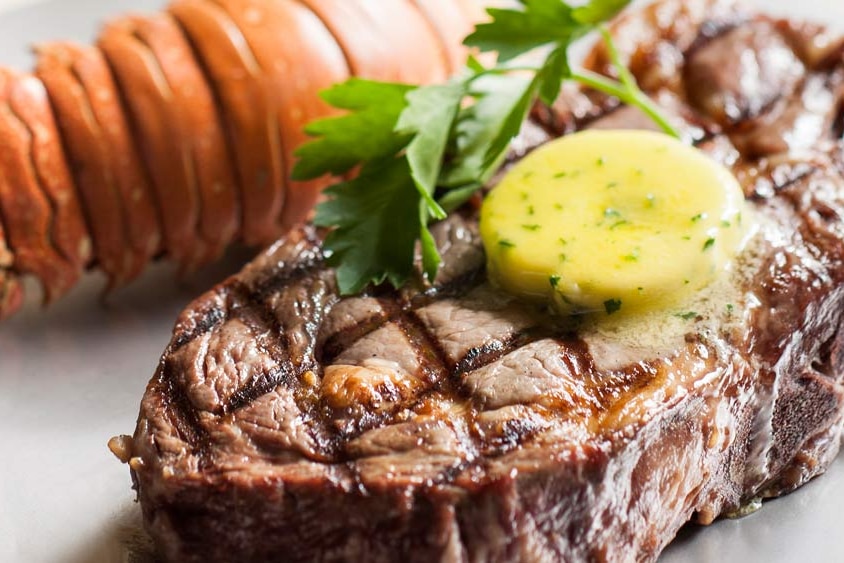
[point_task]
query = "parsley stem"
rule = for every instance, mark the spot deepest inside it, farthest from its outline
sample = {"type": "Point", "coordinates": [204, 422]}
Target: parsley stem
{"type": "Point", "coordinates": [639, 98]}
{"type": "Point", "coordinates": [503, 70]}
{"type": "Point", "coordinates": [634, 97]}
{"type": "Point", "coordinates": [625, 88]}
{"type": "Point", "coordinates": [624, 75]}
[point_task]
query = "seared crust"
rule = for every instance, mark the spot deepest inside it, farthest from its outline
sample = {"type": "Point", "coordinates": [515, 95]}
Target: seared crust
{"type": "Point", "coordinates": [24, 205]}
{"type": "Point", "coordinates": [477, 411]}
{"type": "Point", "coordinates": [451, 422]}
{"type": "Point", "coordinates": [453, 425]}
{"type": "Point", "coordinates": [389, 41]}
{"type": "Point", "coordinates": [248, 109]}
{"type": "Point", "coordinates": [112, 184]}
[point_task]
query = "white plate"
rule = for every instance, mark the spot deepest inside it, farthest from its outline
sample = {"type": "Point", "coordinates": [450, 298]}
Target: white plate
{"type": "Point", "coordinates": [72, 377]}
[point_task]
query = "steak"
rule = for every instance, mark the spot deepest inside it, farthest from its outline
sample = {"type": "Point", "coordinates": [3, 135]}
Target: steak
{"type": "Point", "coordinates": [449, 421]}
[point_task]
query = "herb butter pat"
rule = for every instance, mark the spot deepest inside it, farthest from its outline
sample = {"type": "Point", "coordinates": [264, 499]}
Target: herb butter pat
{"type": "Point", "coordinates": [613, 222]}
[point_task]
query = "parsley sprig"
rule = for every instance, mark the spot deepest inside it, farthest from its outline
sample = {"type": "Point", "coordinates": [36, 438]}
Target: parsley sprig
{"type": "Point", "coordinates": [419, 152]}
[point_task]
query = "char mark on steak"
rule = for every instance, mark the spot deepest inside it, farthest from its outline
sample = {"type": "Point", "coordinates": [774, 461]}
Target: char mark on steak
{"type": "Point", "coordinates": [448, 421]}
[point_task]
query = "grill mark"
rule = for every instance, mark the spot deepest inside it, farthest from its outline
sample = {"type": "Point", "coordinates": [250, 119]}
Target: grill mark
{"type": "Point", "coordinates": [457, 286]}
{"type": "Point", "coordinates": [749, 116]}
{"type": "Point", "coordinates": [445, 477]}
{"type": "Point", "coordinates": [257, 315]}
{"type": "Point", "coordinates": [779, 187]}
{"type": "Point", "coordinates": [518, 434]}
{"type": "Point", "coordinates": [258, 387]}
{"type": "Point", "coordinates": [433, 370]}
{"type": "Point", "coordinates": [482, 356]}
{"type": "Point", "coordinates": [479, 356]}
{"type": "Point", "coordinates": [426, 344]}
{"type": "Point", "coordinates": [432, 357]}
{"type": "Point", "coordinates": [514, 433]}
{"type": "Point", "coordinates": [449, 474]}
{"type": "Point", "coordinates": [185, 416]}
{"type": "Point", "coordinates": [210, 320]}
{"type": "Point", "coordinates": [327, 439]}
{"type": "Point", "coordinates": [269, 334]}
{"type": "Point", "coordinates": [239, 294]}
{"type": "Point", "coordinates": [335, 433]}
{"type": "Point", "coordinates": [396, 306]}
{"type": "Point", "coordinates": [308, 262]}
{"type": "Point", "coordinates": [707, 136]}
{"type": "Point", "coordinates": [450, 382]}
{"type": "Point", "coordinates": [263, 288]}
{"type": "Point", "coordinates": [343, 339]}
{"type": "Point", "coordinates": [310, 362]}
{"type": "Point", "coordinates": [579, 348]}
{"type": "Point", "coordinates": [247, 303]}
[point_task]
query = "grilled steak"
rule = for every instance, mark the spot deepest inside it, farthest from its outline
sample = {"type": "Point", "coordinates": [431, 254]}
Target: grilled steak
{"type": "Point", "coordinates": [447, 421]}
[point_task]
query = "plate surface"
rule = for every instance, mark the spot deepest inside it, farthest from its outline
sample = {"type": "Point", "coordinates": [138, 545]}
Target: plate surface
{"type": "Point", "coordinates": [72, 377]}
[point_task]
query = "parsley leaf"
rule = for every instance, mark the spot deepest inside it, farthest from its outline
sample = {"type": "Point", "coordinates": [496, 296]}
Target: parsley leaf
{"type": "Point", "coordinates": [598, 11]}
{"type": "Point", "coordinates": [429, 117]}
{"type": "Point", "coordinates": [551, 75]}
{"type": "Point", "coordinates": [376, 223]}
{"type": "Point", "coordinates": [431, 258]}
{"type": "Point", "coordinates": [512, 32]}
{"type": "Point", "coordinates": [478, 131]}
{"type": "Point", "coordinates": [365, 133]}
